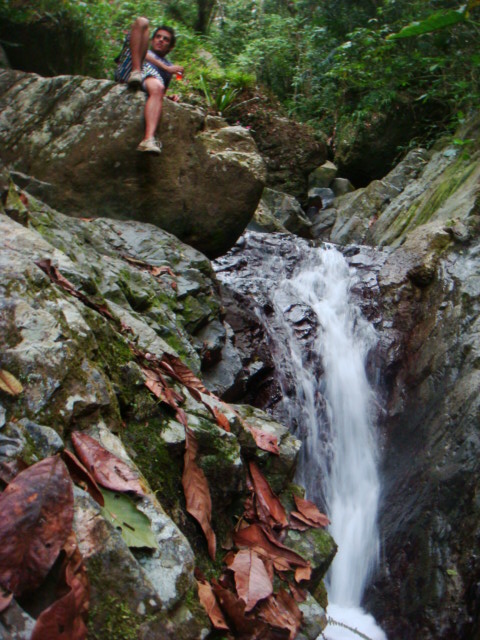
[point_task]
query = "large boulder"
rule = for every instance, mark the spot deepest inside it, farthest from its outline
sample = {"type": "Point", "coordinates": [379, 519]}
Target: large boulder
{"type": "Point", "coordinates": [76, 137]}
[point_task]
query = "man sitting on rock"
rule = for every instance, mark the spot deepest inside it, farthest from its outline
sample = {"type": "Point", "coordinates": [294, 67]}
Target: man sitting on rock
{"type": "Point", "coordinates": [150, 70]}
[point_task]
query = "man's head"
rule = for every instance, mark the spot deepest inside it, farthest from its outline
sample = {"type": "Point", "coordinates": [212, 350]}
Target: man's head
{"type": "Point", "coordinates": [163, 40]}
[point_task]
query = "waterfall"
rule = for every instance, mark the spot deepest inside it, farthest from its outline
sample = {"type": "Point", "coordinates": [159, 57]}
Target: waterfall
{"type": "Point", "coordinates": [331, 412]}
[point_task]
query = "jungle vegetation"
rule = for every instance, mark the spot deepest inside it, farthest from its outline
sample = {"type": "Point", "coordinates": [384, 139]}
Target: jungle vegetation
{"type": "Point", "coordinates": [324, 61]}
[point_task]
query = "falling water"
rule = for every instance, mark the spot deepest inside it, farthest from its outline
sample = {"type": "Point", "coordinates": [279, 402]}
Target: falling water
{"type": "Point", "coordinates": [331, 413]}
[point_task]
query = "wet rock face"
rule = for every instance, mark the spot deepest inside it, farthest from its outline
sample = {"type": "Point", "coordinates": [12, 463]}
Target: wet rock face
{"type": "Point", "coordinates": [425, 371]}
{"type": "Point", "coordinates": [430, 514]}
{"type": "Point", "coordinates": [75, 137]}
{"type": "Point", "coordinates": [77, 351]}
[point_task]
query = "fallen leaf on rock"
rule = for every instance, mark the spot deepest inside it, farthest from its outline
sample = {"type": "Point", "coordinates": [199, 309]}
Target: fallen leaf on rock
{"type": "Point", "coordinates": [197, 493]}
{"type": "Point", "coordinates": [282, 611]}
{"type": "Point", "coordinates": [5, 599]}
{"type": "Point", "coordinates": [251, 578]}
{"type": "Point", "coordinates": [55, 276]}
{"type": "Point", "coordinates": [257, 538]}
{"type": "Point", "coordinates": [175, 368]}
{"type": "Point", "coordinates": [10, 384]}
{"type": "Point", "coordinates": [37, 516]}
{"type": "Point", "coordinates": [297, 525]}
{"type": "Point", "coordinates": [221, 418]}
{"type": "Point", "coordinates": [81, 476]}
{"type": "Point", "coordinates": [159, 387]}
{"type": "Point", "coordinates": [263, 440]}
{"type": "Point", "coordinates": [211, 606]}
{"type": "Point", "coordinates": [309, 513]}
{"type": "Point", "coordinates": [299, 595]}
{"type": "Point", "coordinates": [303, 573]}
{"type": "Point", "coordinates": [108, 470]}
{"type": "Point", "coordinates": [234, 609]}
{"type": "Point", "coordinates": [66, 618]}
{"type": "Point", "coordinates": [135, 527]}
{"type": "Point", "coordinates": [270, 509]}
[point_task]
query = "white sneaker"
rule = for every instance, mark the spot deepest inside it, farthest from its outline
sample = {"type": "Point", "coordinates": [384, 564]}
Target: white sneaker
{"type": "Point", "coordinates": [135, 80]}
{"type": "Point", "coordinates": [150, 146]}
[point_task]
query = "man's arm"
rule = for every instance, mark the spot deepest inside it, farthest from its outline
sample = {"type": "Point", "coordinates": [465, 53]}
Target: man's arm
{"type": "Point", "coordinates": [174, 68]}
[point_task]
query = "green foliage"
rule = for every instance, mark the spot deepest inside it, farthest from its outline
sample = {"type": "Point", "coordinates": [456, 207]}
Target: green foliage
{"type": "Point", "coordinates": [439, 20]}
{"type": "Point", "coordinates": [221, 93]}
{"type": "Point", "coordinates": [328, 62]}
{"type": "Point", "coordinates": [134, 525]}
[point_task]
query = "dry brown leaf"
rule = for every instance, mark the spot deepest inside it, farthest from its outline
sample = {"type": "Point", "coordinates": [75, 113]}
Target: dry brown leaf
{"type": "Point", "coordinates": [175, 368]}
{"type": "Point", "coordinates": [297, 525]}
{"type": "Point", "coordinates": [55, 276]}
{"type": "Point", "coordinates": [299, 595]}
{"type": "Point", "coordinates": [221, 418]}
{"type": "Point", "coordinates": [108, 470]}
{"type": "Point", "coordinates": [81, 476]}
{"type": "Point", "coordinates": [263, 440]}
{"type": "Point", "coordinates": [211, 606]}
{"type": "Point", "coordinates": [309, 513]}
{"type": "Point", "coordinates": [197, 493]}
{"type": "Point", "coordinates": [234, 609]}
{"type": "Point", "coordinates": [282, 611]}
{"type": "Point", "coordinates": [260, 540]}
{"type": "Point", "coordinates": [37, 516]}
{"type": "Point", "coordinates": [270, 508]}
{"type": "Point", "coordinates": [303, 573]}
{"type": "Point", "coordinates": [251, 578]}
{"type": "Point", "coordinates": [10, 384]}
{"type": "Point", "coordinates": [66, 618]}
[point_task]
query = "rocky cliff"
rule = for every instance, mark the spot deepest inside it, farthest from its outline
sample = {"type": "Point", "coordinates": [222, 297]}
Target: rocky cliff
{"type": "Point", "coordinates": [91, 307]}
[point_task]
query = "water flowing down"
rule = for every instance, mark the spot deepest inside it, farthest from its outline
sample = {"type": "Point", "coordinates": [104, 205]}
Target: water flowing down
{"type": "Point", "coordinates": [328, 401]}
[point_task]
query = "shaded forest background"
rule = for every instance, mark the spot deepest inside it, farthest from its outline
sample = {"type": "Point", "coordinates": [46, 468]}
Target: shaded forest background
{"type": "Point", "coordinates": [332, 64]}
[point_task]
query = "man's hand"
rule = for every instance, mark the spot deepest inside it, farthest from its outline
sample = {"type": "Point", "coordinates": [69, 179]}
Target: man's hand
{"type": "Point", "coordinates": [174, 97]}
{"type": "Point", "coordinates": [175, 68]}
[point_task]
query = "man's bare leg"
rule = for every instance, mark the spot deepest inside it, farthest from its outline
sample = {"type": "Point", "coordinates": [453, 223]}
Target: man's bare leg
{"type": "Point", "coordinates": [153, 106]}
{"type": "Point", "coordinates": [139, 38]}
{"type": "Point", "coordinates": [153, 114]}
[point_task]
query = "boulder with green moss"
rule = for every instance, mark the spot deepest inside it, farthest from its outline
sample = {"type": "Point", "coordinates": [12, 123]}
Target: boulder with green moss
{"type": "Point", "coordinates": [72, 140]}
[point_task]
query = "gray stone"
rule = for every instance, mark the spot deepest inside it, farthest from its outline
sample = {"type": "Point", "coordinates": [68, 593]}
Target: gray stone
{"type": "Point", "coordinates": [278, 211]}
{"type": "Point", "coordinates": [314, 618]}
{"type": "Point", "coordinates": [341, 186]}
{"type": "Point", "coordinates": [15, 623]}
{"type": "Point", "coordinates": [280, 467]}
{"type": "Point", "coordinates": [323, 221]}
{"type": "Point", "coordinates": [46, 440]}
{"type": "Point", "coordinates": [225, 377]}
{"type": "Point", "coordinates": [12, 442]}
{"type": "Point", "coordinates": [322, 176]}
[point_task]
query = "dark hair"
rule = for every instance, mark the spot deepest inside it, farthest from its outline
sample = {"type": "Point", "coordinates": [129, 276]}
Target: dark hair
{"type": "Point", "coordinates": [170, 31]}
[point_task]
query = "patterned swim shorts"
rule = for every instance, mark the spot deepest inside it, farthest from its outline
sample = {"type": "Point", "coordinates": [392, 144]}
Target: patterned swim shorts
{"type": "Point", "coordinates": [124, 67]}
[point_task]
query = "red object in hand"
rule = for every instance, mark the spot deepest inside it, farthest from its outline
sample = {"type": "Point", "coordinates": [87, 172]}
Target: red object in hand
{"type": "Point", "coordinates": [179, 75]}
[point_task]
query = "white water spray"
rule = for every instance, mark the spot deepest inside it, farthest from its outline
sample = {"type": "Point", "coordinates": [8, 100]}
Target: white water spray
{"type": "Point", "coordinates": [330, 413]}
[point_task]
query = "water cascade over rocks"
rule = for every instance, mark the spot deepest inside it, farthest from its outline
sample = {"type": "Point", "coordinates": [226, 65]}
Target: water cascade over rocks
{"type": "Point", "coordinates": [320, 343]}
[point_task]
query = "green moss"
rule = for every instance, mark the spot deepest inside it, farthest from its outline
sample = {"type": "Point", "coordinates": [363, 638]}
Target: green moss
{"type": "Point", "coordinates": [114, 620]}
{"type": "Point", "coordinates": [162, 471]}
{"type": "Point", "coordinates": [320, 594]}
{"type": "Point", "coordinates": [112, 349]}
{"type": "Point", "coordinates": [422, 211]}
